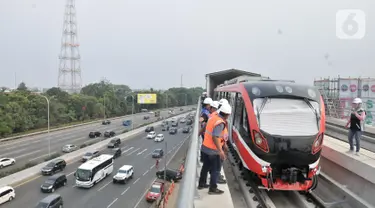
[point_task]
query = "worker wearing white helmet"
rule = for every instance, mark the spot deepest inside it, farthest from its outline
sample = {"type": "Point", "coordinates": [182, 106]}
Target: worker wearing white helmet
{"type": "Point", "coordinates": [221, 102]}
{"type": "Point", "coordinates": [212, 147]}
{"type": "Point", "coordinates": [205, 114]}
{"type": "Point", "coordinates": [214, 106]}
{"type": "Point", "coordinates": [355, 124]}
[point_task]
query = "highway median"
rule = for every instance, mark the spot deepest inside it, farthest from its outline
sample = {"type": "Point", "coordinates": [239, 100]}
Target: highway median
{"type": "Point", "coordinates": [68, 126]}
{"type": "Point", "coordinates": [31, 170]}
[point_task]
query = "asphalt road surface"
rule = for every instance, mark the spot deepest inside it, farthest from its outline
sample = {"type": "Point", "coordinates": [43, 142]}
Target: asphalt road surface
{"type": "Point", "coordinates": [136, 151]}
{"type": "Point", "coordinates": [35, 148]}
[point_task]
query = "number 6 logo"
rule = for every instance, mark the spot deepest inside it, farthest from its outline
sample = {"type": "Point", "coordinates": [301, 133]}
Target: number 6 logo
{"type": "Point", "coordinates": [350, 24]}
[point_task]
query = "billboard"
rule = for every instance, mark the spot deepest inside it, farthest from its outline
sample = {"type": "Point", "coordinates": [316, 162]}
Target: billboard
{"type": "Point", "coordinates": [146, 98]}
{"type": "Point", "coordinates": [348, 88]}
{"type": "Point", "coordinates": [368, 88]}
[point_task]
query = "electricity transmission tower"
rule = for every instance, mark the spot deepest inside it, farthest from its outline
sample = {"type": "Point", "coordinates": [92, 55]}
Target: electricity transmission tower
{"type": "Point", "coordinates": [70, 60]}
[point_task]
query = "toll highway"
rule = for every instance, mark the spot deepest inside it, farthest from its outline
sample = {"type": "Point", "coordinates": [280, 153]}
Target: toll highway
{"type": "Point", "coordinates": [35, 148]}
{"type": "Point", "coordinates": [136, 151]}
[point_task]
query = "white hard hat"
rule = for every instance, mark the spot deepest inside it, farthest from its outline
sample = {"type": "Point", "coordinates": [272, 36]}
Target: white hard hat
{"type": "Point", "coordinates": [207, 101]}
{"type": "Point", "coordinates": [226, 108]}
{"type": "Point", "coordinates": [222, 101]}
{"type": "Point", "coordinates": [357, 100]}
{"type": "Point", "coordinates": [215, 104]}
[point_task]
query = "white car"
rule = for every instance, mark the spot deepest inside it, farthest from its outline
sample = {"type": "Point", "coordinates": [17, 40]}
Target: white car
{"type": "Point", "coordinates": [69, 148]}
{"type": "Point", "coordinates": [151, 135]}
{"type": "Point", "coordinates": [159, 138]}
{"type": "Point", "coordinates": [124, 174]}
{"type": "Point", "coordinates": [6, 194]}
{"type": "Point", "coordinates": [6, 162]}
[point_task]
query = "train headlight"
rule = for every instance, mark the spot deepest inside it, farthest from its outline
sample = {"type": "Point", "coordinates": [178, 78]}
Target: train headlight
{"type": "Point", "coordinates": [317, 143]}
{"type": "Point", "coordinates": [258, 140]}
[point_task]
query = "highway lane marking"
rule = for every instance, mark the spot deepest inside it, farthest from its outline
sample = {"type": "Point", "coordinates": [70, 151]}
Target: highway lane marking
{"type": "Point", "coordinates": [69, 163]}
{"type": "Point", "coordinates": [27, 154]}
{"type": "Point", "coordinates": [112, 203]}
{"type": "Point", "coordinates": [136, 181]}
{"type": "Point", "coordinates": [125, 191]}
{"type": "Point", "coordinates": [147, 155]}
{"type": "Point", "coordinates": [139, 153]}
{"type": "Point", "coordinates": [133, 152]}
{"type": "Point", "coordinates": [145, 173]}
{"type": "Point", "coordinates": [122, 149]}
{"type": "Point", "coordinates": [143, 195]}
{"type": "Point", "coordinates": [104, 186]}
{"type": "Point", "coordinates": [127, 150]}
{"type": "Point", "coordinates": [35, 158]}
{"type": "Point", "coordinates": [70, 174]}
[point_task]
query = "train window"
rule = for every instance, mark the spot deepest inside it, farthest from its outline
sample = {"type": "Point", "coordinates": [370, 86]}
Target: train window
{"type": "Point", "coordinates": [245, 123]}
{"type": "Point", "coordinates": [238, 111]}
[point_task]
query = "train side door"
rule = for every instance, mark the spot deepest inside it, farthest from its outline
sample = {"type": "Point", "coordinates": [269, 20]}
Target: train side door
{"type": "Point", "coordinates": [232, 102]}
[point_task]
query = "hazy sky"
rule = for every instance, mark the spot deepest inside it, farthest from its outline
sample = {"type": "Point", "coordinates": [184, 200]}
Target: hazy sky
{"type": "Point", "coordinates": [146, 43]}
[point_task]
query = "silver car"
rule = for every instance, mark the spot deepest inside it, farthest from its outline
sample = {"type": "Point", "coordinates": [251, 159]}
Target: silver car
{"type": "Point", "coordinates": [69, 148]}
{"type": "Point", "coordinates": [90, 155]}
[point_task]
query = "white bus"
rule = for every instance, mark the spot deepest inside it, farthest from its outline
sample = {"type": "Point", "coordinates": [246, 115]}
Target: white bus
{"type": "Point", "coordinates": [94, 170]}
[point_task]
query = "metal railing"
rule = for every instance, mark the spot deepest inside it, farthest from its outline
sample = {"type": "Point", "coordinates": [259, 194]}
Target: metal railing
{"type": "Point", "coordinates": [188, 186]}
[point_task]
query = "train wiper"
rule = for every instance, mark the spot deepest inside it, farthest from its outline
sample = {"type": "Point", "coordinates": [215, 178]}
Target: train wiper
{"type": "Point", "coordinates": [259, 110]}
{"type": "Point", "coordinates": [314, 110]}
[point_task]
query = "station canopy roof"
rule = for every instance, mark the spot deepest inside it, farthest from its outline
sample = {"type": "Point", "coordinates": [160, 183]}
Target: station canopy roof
{"type": "Point", "coordinates": [221, 76]}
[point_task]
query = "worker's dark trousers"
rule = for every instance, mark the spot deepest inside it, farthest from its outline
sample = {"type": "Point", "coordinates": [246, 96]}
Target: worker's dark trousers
{"type": "Point", "coordinates": [211, 163]}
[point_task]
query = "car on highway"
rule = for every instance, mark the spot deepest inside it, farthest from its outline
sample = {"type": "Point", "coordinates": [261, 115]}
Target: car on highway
{"type": "Point", "coordinates": [53, 182]}
{"type": "Point", "coordinates": [174, 123]}
{"type": "Point", "coordinates": [124, 174]}
{"type": "Point", "coordinates": [94, 134]}
{"type": "Point", "coordinates": [165, 122]}
{"type": "Point", "coordinates": [7, 194]}
{"type": "Point", "coordinates": [106, 122]}
{"type": "Point", "coordinates": [151, 135]}
{"type": "Point", "coordinates": [173, 130]}
{"type": "Point", "coordinates": [146, 117]}
{"type": "Point", "coordinates": [116, 152]}
{"type": "Point", "coordinates": [189, 122]}
{"type": "Point", "coordinates": [183, 120]}
{"type": "Point", "coordinates": [108, 134]}
{"type": "Point", "coordinates": [157, 188]}
{"type": "Point", "coordinates": [69, 148]}
{"type": "Point", "coordinates": [171, 174]}
{"type": "Point", "coordinates": [127, 123]}
{"type": "Point", "coordinates": [181, 109]}
{"type": "Point", "coordinates": [115, 142]}
{"type": "Point", "coordinates": [53, 167]}
{"type": "Point", "coordinates": [159, 138]}
{"type": "Point", "coordinates": [157, 153]}
{"type": "Point", "coordinates": [144, 110]}
{"type": "Point", "coordinates": [165, 127]}
{"type": "Point", "coordinates": [51, 201]}
{"type": "Point", "coordinates": [90, 155]}
{"type": "Point", "coordinates": [7, 162]}
{"type": "Point", "coordinates": [186, 129]}
{"type": "Point", "coordinates": [149, 129]}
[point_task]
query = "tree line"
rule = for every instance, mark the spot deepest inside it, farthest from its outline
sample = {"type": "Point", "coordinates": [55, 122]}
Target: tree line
{"type": "Point", "coordinates": [24, 110]}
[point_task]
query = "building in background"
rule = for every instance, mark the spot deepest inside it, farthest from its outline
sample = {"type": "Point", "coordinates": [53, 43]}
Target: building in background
{"type": "Point", "coordinates": [338, 94]}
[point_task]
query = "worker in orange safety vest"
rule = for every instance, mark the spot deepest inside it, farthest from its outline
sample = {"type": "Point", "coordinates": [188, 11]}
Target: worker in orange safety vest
{"type": "Point", "coordinates": [212, 148]}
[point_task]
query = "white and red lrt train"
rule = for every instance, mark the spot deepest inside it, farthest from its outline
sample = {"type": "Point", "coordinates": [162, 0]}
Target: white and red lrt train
{"type": "Point", "coordinates": [277, 130]}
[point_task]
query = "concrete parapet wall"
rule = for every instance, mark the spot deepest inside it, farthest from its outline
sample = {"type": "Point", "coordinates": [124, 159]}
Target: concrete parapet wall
{"type": "Point", "coordinates": [356, 173]}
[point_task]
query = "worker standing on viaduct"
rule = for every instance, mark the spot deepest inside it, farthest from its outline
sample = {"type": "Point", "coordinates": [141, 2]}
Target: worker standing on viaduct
{"type": "Point", "coordinates": [356, 124]}
{"type": "Point", "coordinates": [212, 148]}
{"type": "Point", "coordinates": [205, 114]}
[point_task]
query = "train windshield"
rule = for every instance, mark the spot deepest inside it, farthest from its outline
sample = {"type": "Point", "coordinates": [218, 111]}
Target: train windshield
{"type": "Point", "coordinates": [287, 117]}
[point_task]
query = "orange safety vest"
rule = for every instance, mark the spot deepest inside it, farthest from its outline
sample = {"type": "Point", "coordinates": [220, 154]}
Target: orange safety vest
{"type": "Point", "coordinates": [211, 124]}
{"type": "Point", "coordinates": [214, 114]}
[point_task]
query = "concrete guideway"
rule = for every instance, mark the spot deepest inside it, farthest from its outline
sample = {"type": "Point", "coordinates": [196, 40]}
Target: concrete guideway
{"type": "Point", "coordinates": [355, 173]}
{"type": "Point", "coordinates": [35, 149]}
{"type": "Point", "coordinates": [342, 123]}
{"type": "Point", "coordinates": [136, 151]}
